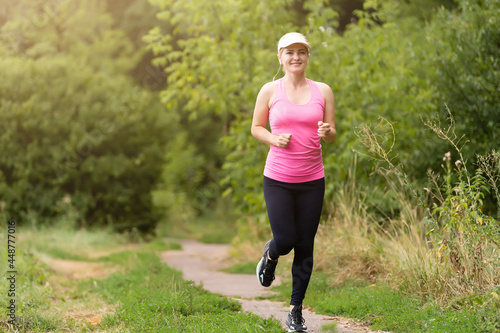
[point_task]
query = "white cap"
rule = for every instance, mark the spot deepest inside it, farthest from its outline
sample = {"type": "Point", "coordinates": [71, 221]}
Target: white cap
{"type": "Point", "coordinates": [293, 38]}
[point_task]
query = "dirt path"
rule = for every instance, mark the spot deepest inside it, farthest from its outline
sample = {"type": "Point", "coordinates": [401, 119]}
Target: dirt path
{"type": "Point", "coordinates": [201, 263]}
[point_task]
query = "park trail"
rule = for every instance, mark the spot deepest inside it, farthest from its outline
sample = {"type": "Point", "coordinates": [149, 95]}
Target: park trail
{"type": "Point", "coordinates": [202, 263]}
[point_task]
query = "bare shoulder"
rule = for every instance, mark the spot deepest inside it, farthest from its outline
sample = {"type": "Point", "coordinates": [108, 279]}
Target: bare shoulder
{"type": "Point", "coordinates": [325, 90]}
{"type": "Point", "coordinates": [267, 94]}
{"type": "Point", "coordinates": [269, 88]}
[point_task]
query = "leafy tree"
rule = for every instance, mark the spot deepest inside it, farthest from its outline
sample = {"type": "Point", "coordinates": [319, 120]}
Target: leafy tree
{"type": "Point", "coordinates": [192, 162]}
{"type": "Point", "coordinates": [79, 137]}
{"type": "Point", "coordinates": [135, 18]}
{"type": "Point", "coordinates": [214, 61]}
{"type": "Point", "coordinates": [77, 144]}
{"type": "Point", "coordinates": [80, 29]}
{"type": "Point", "coordinates": [468, 71]}
{"type": "Point", "coordinates": [216, 64]}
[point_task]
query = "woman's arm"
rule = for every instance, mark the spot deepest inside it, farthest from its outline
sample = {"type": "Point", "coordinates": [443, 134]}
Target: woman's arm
{"type": "Point", "coordinates": [261, 115]}
{"type": "Point", "coordinates": [326, 128]}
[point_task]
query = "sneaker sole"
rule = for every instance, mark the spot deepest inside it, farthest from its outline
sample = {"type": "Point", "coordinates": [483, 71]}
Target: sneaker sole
{"type": "Point", "coordinates": [290, 330]}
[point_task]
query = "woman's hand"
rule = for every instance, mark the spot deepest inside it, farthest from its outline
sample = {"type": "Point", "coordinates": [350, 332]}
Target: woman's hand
{"type": "Point", "coordinates": [324, 129]}
{"type": "Point", "coordinates": [282, 140]}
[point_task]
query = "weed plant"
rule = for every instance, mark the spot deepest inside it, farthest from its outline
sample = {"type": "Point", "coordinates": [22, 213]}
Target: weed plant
{"type": "Point", "coordinates": [459, 254]}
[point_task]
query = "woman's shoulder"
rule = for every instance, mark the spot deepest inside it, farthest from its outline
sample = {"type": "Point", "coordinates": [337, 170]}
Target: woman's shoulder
{"type": "Point", "coordinates": [325, 91]}
{"type": "Point", "coordinates": [268, 89]}
{"type": "Point", "coordinates": [322, 85]}
{"type": "Point", "coordinates": [324, 88]}
{"type": "Point", "coordinates": [270, 86]}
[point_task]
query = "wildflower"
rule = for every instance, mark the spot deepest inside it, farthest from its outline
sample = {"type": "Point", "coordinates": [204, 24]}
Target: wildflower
{"type": "Point", "coordinates": [447, 157]}
{"type": "Point", "coordinates": [458, 163]}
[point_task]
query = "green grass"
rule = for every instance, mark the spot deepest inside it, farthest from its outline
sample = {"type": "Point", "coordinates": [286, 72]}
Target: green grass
{"type": "Point", "coordinates": [242, 268]}
{"type": "Point", "coordinates": [154, 298]}
{"type": "Point", "coordinates": [216, 227]}
{"type": "Point", "coordinates": [161, 245]}
{"type": "Point", "coordinates": [32, 295]}
{"type": "Point", "coordinates": [386, 309]}
{"type": "Point", "coordinates": [143, 295]}
{"type": "Point", "coordinates": [329, 328]}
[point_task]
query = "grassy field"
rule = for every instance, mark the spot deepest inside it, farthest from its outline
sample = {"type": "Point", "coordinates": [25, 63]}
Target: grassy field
{"type": "Point", "coordinates": [347, 290]}
{"type": "Point", "coordinates": [357, 276]}
{"type": "Point", "coordinates": [95, 281]}
{"type": "Point", "coordinates": [383, 308]}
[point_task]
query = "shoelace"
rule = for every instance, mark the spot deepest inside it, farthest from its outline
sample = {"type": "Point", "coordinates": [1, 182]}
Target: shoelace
{"type": "Point", "coordinates": [269, 269]}
{"type": "Point", "coordinates": [269, 276]}
{"type": "Point", "coordinates": [297, 316]}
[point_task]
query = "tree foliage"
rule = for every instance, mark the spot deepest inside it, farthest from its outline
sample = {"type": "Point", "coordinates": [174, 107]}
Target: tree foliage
{"type": "Point", "coordinates": [394, 60]}
{"type": "Point", "coordinates": [468, 71]}
{"type": "Point", "coordinates": [66, 66]}
{"type": "Point", "coordinates": [78, 136]}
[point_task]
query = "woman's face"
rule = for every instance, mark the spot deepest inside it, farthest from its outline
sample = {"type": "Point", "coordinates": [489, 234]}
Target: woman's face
{"type": "Point", "coordinates": [294, 58]}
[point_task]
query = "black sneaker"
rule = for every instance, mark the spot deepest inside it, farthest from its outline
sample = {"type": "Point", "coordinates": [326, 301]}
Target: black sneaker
{"type": "Point", "coordinates": [295, 321]}
{"type": "Point", "coordinates": [266, 267]}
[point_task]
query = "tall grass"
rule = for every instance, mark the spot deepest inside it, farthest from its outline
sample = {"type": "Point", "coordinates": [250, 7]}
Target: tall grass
{"type": "Point", "coordinates": [350, 244]}
{"type": "Point", "coordinates": [441, 246]}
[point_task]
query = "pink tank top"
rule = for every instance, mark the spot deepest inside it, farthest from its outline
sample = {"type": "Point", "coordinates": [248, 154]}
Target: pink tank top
{"type": "Point", "coordinates": [301, 160]}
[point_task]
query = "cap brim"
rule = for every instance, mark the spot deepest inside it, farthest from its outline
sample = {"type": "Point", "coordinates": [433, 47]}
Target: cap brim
{"type": "Point", "coordinates": [288, 44]}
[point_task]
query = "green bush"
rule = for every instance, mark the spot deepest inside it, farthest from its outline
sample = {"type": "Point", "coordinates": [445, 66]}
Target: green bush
{"type": "Point", "coordinates": [77, 141]}
{"type": "Point", "coordinates": [468, 71]}
{"type": "Point", "coordinates": [397, 66]}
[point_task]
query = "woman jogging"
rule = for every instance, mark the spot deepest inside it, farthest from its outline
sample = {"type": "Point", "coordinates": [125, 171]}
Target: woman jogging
{"type": "Point", "coordinates": [301, 112]}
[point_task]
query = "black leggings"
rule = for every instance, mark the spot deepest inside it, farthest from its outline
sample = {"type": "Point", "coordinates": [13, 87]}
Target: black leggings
{"type": "Point", "coordinates": [294, 210]}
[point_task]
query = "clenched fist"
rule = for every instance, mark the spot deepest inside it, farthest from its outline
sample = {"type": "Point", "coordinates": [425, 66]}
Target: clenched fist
{"type": "Point", "coordinates": [282, 140]}
{"type": "Point", "coordinates": [324, 129]}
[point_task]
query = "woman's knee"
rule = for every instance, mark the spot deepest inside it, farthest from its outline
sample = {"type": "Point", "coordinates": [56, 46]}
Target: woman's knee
{"type": "Point", "coordinates": [284, 246]}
